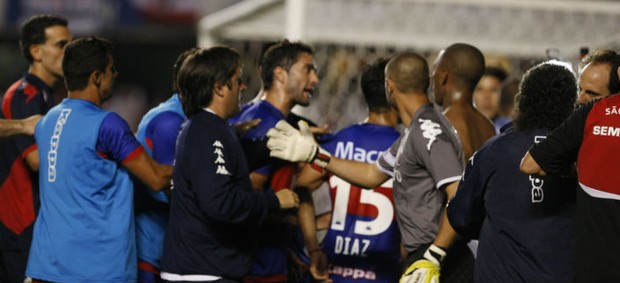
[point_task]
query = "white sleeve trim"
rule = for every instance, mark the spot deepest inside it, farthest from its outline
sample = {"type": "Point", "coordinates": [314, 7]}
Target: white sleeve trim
{"type": "Point", "coordinates": [598, 193]}
{"type": "Point", "coordinates": [445, 181]}
{"type": "Point", "coordinates": [389, 159]}
{"type": "Point", "coordinates": [192, 277]}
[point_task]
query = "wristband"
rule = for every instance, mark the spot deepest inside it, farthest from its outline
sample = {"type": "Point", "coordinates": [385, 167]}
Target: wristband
{"type": "Point", "coordinates": [321, 157]}
{"type": "Point", "coordinates": [435, 254]}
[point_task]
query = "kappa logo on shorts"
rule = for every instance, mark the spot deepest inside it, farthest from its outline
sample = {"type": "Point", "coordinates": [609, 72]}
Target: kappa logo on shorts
{"type": "Point", "coordinates": [353, 273]}
{"type": "Point", "coordinates": [430, 131]}
{"type": "Point", "coordinates": [221, 169]}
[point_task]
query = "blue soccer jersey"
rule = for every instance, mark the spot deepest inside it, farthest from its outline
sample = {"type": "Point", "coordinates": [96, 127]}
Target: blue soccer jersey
{"type": "Point", "coordinates": [157, 132]}
{"type": "Point", "coordinates": [272, 253]}
{"type": "Point", "coordinates": [363, 240]}
{"type": "Point", "coordinates": [85, 230]}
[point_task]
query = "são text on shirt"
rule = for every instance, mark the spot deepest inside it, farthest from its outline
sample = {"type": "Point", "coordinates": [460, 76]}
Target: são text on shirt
{"type": "Point", "coordinates": [612, 111]}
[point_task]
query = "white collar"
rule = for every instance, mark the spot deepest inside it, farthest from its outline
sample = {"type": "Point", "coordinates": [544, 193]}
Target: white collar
{"type": "Point", "coordinates": [209, 110]}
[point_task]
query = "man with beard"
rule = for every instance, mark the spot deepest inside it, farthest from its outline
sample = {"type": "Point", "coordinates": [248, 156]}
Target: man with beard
{"type": "Point", "coordinates": [288, 73]}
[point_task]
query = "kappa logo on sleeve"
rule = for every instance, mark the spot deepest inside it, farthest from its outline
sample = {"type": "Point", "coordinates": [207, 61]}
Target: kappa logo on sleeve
{"type": "Point", "coordinates": [430, 131]}
{"type": "Point", "coordinates": [471, 159]}
{"type": "Point", "coordinates": [220, 161]}
{"type": "Point", "coordinates": [218, 151]}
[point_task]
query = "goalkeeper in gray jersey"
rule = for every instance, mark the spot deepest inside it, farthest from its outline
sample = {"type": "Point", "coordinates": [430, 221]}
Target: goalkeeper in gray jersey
{"type": "Point", "coordinates": [426, 163]}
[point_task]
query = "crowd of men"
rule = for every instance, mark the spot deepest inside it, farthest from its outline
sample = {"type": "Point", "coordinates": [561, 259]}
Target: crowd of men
{"type": "Point", "coordinates": [208, 191]}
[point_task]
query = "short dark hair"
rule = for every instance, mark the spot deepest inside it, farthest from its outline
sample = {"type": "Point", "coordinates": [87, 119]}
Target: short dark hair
{"type": "Point", "coordinates": [510, 88]}
{"type": "Point", "coordinates": [409, 72]}
{"type": "Point", "coordinates": [282, 54]}
{"type": "Point", "coordinates": [200, 73]}
{"type": "Point", "coordinates": [496, 72]}
{"type": "Point", "coordinates": [33, 32]}
{"type": "Point", "coordinates": [373, 86]}
{"type": "Point", "coordinates": [82, 57]}
{"type": "Point", "coordinates": [610, 57]}
{"type": "Point", "coordinates": [177, 66]}
{"type": "Point", "coordinates": [547, 96]}
{"type": "Point", "coordinates": [465, 62]}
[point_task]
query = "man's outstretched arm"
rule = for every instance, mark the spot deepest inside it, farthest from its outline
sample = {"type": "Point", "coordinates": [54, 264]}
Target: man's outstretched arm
{"type": "Point", "coordinates": [287, 143]}
{"type": "Point", "coordinates": [20, 126]}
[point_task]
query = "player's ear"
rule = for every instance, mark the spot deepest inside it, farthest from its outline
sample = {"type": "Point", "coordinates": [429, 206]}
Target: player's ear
{"type": "Point", "coordinates": [442, 76]}
{"type": "Point", "coordinates": [95, 78]}
{"type": "Point", "coordinates": [35, 51]}
{"type": "Point", "coordinates": [280, 74]}
{"type": "Point", "coordinates": [389, 86]}
{"type": "Point", "coordinates": [218, 89]}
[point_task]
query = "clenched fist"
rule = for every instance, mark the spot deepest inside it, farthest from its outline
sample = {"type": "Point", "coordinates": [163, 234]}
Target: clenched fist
{"type": "Point", "coordinates": [287, 199]}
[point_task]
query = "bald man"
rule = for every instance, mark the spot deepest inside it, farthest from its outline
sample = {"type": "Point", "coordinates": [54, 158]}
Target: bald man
{"type": "Point", "coordinates": [456, 73]}
{"type": "Point", "coordinates": [425, 162]}
{"type": "Point", "coordinates": [599, 76]}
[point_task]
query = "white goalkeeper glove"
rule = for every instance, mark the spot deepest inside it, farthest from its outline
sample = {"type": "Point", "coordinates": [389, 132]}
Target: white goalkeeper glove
{"type": "Point", "coordinates": [286, 142]}
{"type": "Point", "coordinates": [426, 269]}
